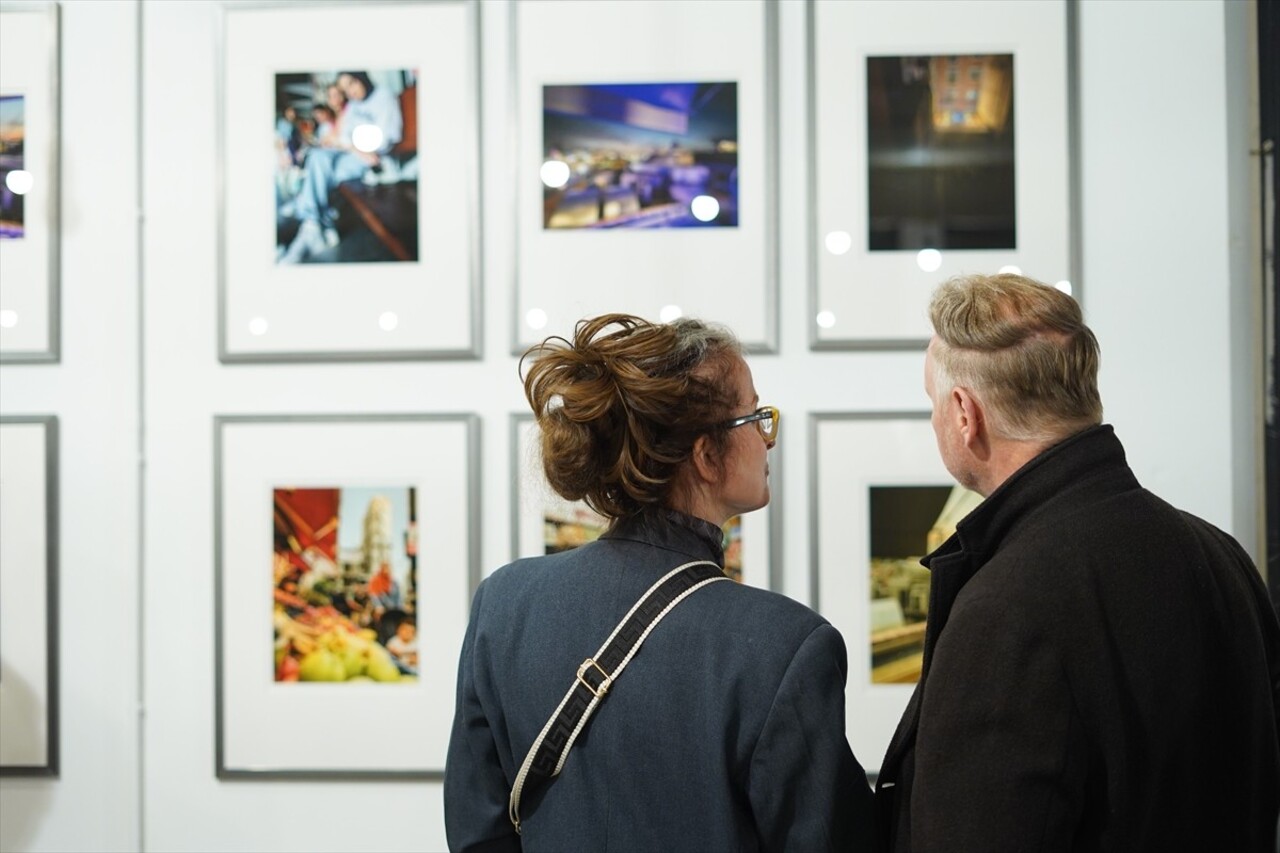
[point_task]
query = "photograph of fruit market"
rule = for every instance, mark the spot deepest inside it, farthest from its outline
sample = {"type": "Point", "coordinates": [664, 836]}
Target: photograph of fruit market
{"type": "Point", "coordinates": [345, 594]}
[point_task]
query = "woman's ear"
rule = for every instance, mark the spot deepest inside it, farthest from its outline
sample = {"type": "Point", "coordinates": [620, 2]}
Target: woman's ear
{"type": "Point", "coordinates": [706, 464]}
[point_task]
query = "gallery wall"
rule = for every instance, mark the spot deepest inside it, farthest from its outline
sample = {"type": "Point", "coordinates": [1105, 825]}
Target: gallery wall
{"type": "Point", "coordinates": [1165, 280]}
{"type": "Point", "coordinates": [95, 392]}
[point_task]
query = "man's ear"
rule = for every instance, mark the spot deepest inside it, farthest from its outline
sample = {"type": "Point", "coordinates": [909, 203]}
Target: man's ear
{"type": "Point", "coordinates": [704, 459]}
{"type": "Point", "coordinates": [971, 420]}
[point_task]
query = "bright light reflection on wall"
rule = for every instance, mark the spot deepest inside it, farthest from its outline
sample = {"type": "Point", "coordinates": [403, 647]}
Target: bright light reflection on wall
{"type": "Point", "coordinates": [669, 313]}
{"type": "Point", "coordinates": [839, 242]}
{"type": "Point", "coordinates": [826, 319]}
{"type": "Point", "coordinates": [258, 326]}
{"type": "Point", "coordinates": [388, 321]}
{"type": "Point", "coordinates": [8, 318]}
{"type": "Point", "coordinates": [929, 260]}
{"type": "Point", "coordinates": [536, 318]}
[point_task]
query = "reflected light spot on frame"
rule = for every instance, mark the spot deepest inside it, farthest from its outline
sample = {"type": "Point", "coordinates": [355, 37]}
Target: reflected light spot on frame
{"type": "Point", "coordinates": [825, 319]}
{"type": "Point", "coordinates": [929, 260]}
{"type": "Point", "coordinates": [8, 318]}
{"type": "Point", "coordinates": [839, 242]}
{"type": "Point", "coordinates": [704, 208]}
{"type": "Point", "coordinates": [387, 321]}
{"type": "Point", "coordinates": [19, 181]}
{"type": "Point", "coordinates": [554, 173]}
{"type": "Point", "coordinates": [258, 326]}
{"type": "Point", "coordinates": [669, 313]}
{"type": "Point", "coordinates": [536, 318]}
{"type": "Point", "coordinates": [366, 138]}
{"type": "Point", "coordinates": [1010, 269]}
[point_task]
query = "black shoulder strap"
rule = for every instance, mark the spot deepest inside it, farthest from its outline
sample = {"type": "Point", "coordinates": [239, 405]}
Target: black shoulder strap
{"type": "Point", "coordinates": [596, 674]}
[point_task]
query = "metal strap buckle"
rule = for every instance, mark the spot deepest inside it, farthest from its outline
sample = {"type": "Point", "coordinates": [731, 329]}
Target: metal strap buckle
{"type": "Point", "coordinates": [605, 678]}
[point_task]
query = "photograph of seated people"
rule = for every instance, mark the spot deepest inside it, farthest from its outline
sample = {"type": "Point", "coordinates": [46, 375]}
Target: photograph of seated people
{"type": "Point", "coordinates": [1101, 670]}
{"type": "Point", "coordinates": [346, 189]}
{"type": "Point", "coordinates": [727, 729]}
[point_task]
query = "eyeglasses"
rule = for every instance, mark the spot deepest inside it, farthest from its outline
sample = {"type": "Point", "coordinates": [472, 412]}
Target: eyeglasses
{"type": "Point", "coordinates": [765, 418]}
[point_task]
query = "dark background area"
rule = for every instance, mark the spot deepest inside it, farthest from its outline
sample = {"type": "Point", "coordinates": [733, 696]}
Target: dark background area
{"type": "Point", "coordinates": [1269, 101]}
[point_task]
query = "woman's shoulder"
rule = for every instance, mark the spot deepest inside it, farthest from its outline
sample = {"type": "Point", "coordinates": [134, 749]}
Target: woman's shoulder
{"type": "Point", "coordinates": [770, 606]}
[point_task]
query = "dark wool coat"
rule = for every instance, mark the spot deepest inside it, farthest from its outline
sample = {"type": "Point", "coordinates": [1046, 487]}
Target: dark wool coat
{"type": "Point", "coordinates": [1101, 672]}
{"type": "Point", "coordinates": [724, 733]}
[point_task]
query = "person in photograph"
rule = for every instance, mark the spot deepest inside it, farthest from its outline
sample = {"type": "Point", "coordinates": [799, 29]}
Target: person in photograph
{"type": "Point", "coordinates": [288, 138]}
{"type": "Point", "coordinates": [326, 134]}
{"type": "Point", "coordinates": [374, 112]}
{"type": "Point", "coordinates": [403, 644]}
{"type": "Point", "coordinates": [384, 590]}
{"type": "Point", "coordinates": [1101, 669]}
{"type": "Point", "coordinates": [727, 730]}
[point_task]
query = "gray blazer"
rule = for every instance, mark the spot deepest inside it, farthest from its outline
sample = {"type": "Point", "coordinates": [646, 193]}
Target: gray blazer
{"type": "Point", "coordinates": [725, 732]}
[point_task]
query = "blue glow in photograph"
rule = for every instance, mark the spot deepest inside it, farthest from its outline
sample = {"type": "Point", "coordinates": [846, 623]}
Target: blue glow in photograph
{"type": "Point", "coordinates": [640, 155]}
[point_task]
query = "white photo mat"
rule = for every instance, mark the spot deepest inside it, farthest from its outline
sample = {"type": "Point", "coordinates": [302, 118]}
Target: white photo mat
{"type": "Point", "coordinates": [285, 729]}
{"type": "Point", "coordinates": [427, 308]}
{"type": "Point", "coordinates": [29, 65]}
{"type": "Point", "coordinates": [864, 299]}
{"type": "Point", "coordinates": [28, 596]}
{"type": "Point", "coordinates": [532, 497]}
{"type": "Point", "coordinates": [725, 274]}
{"type": "Point", "coordinates": [850, 454]}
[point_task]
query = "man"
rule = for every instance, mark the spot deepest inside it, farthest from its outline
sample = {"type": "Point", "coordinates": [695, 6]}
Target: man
{"type": "Point", "coordinates": [1101, 670]}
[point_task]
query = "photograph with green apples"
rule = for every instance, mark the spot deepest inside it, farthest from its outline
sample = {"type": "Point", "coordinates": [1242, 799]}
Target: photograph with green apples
{"type": "Point", "coordinates": [344, 584]}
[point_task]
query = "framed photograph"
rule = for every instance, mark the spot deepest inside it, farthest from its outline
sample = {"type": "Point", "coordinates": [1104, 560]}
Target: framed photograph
{"type": "Point", "coordinates": [347, 553]}
{"type": "Point", "coordinates": [880, 500]}
{"type": "Point", "coordinates": [942, 144]}
{"type": "Point", "coordinates": [350, 181]}
{"type": "Point", "coordinates": [646, 173]}
{"type": "Point", "coordinates": [29, 67]}
{"type": "Point", "coordinates": [28, 596]}
{"type": "Point", "coordinates": [542, 522]}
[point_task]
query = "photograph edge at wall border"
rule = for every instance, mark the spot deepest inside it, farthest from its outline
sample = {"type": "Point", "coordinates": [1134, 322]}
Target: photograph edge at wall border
{"type": "Point", "coordinates": [813, 251]}
{"type": "Point", "coordinates": [771, 295]}
{"type": "Point", "coordinates": [471, 68]}
{"type": "Point", "coordinates": [52, 353]}
{"type": "Point", "coordinates": [52, 767]}
{"type": "Point", "coordinates": [472, 425]}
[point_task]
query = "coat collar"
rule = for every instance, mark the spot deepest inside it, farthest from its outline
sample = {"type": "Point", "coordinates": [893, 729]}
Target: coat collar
{"type": "Point", "coordinates": [1081, 465]}
{"type": "Point", "coordinates": [674, 531]}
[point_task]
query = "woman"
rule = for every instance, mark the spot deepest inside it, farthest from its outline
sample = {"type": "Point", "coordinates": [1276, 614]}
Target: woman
{"type": "Point", "coordinates": [726, 731]}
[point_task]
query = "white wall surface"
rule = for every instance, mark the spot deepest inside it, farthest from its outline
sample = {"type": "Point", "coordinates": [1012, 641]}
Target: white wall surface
{"type": "Point", "coordinates": [94, 391]}
{"type": "Point", "coordinates": [1161, 287]}
{"type": "Point", "coordinates": [1165, 215]}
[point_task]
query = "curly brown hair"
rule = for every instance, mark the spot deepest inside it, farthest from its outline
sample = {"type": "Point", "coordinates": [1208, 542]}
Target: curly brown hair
{"type": "Point", "coordinates": [620, 406]}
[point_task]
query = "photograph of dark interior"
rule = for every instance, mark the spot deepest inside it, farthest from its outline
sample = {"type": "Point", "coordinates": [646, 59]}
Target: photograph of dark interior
{"type": "Point", "coordinates": [346, 178]}
{"type": "Point", "coordinates": [651, 155]}
{"type": "Point", "coordinates": [940, 139]}
{"type": "Point", "coordinates": [905, 525]}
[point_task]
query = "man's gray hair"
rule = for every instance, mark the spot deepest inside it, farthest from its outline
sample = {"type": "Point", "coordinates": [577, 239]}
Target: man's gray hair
{"type": "Point", "coordinates": [1022, 348]}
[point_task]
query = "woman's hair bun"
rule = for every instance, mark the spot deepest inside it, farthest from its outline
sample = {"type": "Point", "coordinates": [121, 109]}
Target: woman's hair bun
{"type": "Point", "coordinates": [621, 404]}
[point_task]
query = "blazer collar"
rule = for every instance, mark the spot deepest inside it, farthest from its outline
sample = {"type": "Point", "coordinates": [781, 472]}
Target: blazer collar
{"type": "Point", "coordinates": [674, 531]}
